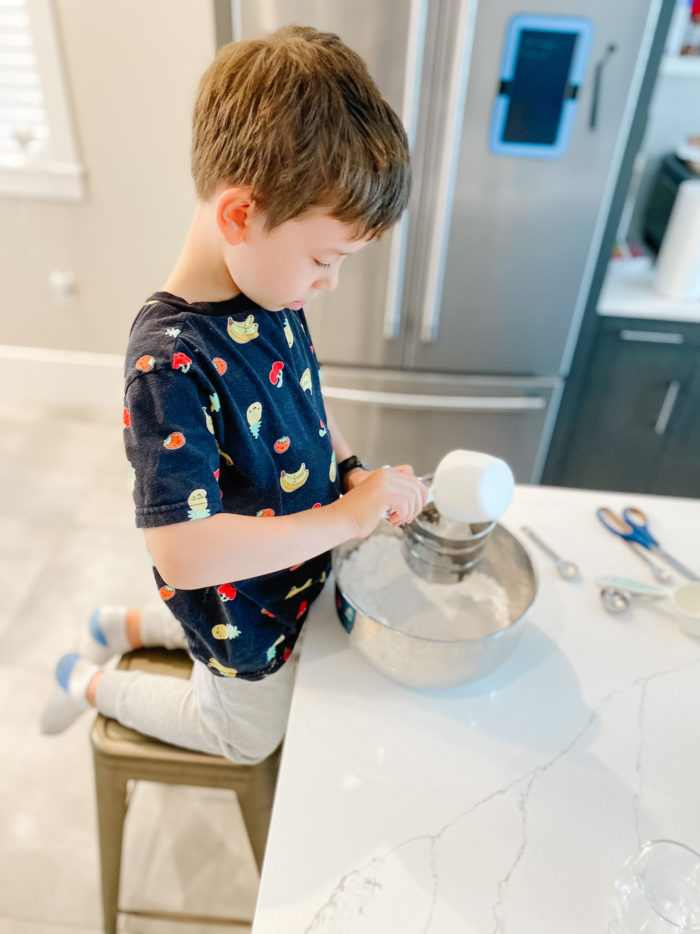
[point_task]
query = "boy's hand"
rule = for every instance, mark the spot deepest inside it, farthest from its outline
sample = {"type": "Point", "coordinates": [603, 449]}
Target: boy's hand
{"type": "Point", "coordinates": [372, 493]}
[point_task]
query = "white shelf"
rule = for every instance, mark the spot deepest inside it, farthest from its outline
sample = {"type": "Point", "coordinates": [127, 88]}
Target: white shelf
{"type": "Point", "coordinates": [629, 293]}
{"type": "Point", "coordinates": [681, 66]}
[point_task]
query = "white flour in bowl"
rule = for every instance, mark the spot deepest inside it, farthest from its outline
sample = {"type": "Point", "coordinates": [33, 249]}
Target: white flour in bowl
{"type": "Point", "coordinates": [378, 580]}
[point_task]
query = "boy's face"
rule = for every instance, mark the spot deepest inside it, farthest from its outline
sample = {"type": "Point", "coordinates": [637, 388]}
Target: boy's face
{"type": "Point", "coordinates": [289, 265]}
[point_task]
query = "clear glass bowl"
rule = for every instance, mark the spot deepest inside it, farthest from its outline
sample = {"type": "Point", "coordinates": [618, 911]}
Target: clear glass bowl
{"type": "Point", "coordinates": [658, 891]}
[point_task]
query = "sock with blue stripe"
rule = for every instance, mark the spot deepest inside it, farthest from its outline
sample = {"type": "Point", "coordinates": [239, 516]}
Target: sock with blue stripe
{"type": "Point", "coordinates": [73, 674]}
{"type": "Point", "coordinates": [107, 634]}
{"type": "Point", "coordinates": [108, 631]}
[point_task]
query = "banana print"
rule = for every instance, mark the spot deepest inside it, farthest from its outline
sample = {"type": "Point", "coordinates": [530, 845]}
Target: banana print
{"type": "Point", "coordinates": [292, 481]}
{"type": "Point", "coordinates": [222, 669]}
{"type": "Point", "coordinates": [305, 381]}
{"type": "Point", "coordinates": [295, 590]}
{"type": "Point", "coordinates": [242, 331]}
{"type": "Point", "coordinates": [288, 332]}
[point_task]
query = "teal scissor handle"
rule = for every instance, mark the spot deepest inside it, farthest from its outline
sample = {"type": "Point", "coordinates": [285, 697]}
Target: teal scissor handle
{"type": "Point", "coordinates": [631, 525]}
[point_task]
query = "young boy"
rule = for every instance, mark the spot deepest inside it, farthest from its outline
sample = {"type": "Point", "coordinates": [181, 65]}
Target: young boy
{"type": "Point", "coordinates": [238, 468]}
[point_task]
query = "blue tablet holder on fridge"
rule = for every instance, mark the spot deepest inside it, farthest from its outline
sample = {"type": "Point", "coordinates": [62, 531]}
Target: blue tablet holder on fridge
{"type": "Point", "coordinates": [543, 64]}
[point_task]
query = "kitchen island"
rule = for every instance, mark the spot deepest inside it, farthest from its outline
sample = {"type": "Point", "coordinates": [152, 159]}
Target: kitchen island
{"type": "Point", "coordinates": [507, 805]}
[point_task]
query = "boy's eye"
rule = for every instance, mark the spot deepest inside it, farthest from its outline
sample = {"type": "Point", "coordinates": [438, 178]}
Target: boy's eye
{"type": "Point", "coordinates": [322, 265]}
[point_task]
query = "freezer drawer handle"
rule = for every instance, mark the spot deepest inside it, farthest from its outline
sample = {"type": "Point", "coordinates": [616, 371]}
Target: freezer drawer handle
{"type": "Point", "coordinates": [409, 400]}
{"type": "Point", "coordinates": [652, 337]}
{"type": "Point", "coordinates": [666, 410]}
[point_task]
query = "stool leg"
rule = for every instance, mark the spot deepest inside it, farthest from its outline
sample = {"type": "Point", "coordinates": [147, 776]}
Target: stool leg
{"type": "Point", "coordinates": [110, 787]}
{"type": "Point", "coordinates": [255, 796]}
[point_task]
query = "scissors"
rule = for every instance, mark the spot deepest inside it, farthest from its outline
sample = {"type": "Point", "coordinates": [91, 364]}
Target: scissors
{"type": "Point", "coordinates": [633, 526]}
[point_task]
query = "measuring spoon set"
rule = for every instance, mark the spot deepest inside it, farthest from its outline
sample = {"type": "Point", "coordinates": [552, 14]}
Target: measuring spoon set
{"type": "Point", "coordinates": [619, 593]}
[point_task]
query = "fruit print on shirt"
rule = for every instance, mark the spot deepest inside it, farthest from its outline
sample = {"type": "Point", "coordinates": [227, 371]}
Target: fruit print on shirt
{"type": "Point", "coordinates": [294, 481]}
{"type": "Point", "coordinates": [181, 362]}
{"type": "Point", "coordinates": [242, 331]}
{"type": "Point", "coordinates": [295, 590]}
{"type": "Point", "coordinates": [276, 373]}
{"type": "Point", "coordinates": [226, 592]}
{"type": "Point", "coordinates": [225, 631]}
{"type": "Point", "coordinates": [288, 332]}
{"type": "Point", "coordinates": [145, 363]}
{"type": "Point", "coordinates": [254, 416]}
{"type": "Point", "coordinates": [222, 669]}
{"type": "Point", "coordinates": [174, 441]}
{"type": "Point", "coordinates": [197, 501]}
{"type": "Point", "coordinates": [305, 381]}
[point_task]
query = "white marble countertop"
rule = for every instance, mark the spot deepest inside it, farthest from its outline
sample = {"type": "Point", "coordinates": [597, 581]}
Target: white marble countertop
{"type": "Point", "coordinates": [509, 804]}
{"type": "Point", "coordinates": [628, 292]}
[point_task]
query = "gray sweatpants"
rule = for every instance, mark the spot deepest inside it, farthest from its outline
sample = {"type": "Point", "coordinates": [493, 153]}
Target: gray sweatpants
{"type": "Point", "coordinates": [241, 720]}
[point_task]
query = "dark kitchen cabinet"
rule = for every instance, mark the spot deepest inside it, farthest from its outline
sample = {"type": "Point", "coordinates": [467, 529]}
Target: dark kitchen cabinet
{"type": "Point", "coordinates": [637, 426]}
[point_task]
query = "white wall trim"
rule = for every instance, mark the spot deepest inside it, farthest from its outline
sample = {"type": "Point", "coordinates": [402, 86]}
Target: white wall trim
{"type": "Point", "coordinates": [61, 378]}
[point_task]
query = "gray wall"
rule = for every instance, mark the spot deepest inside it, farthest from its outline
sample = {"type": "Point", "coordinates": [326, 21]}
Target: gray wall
{"type": "Point", "coordinates": [132, 69]}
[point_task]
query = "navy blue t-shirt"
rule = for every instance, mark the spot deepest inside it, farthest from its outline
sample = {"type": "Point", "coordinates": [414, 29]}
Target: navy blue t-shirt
{"type": "Point", "coordinates": [224, 413]}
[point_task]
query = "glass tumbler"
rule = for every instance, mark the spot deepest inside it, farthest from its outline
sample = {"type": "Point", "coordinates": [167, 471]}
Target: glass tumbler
{"type": "Point", "coordinates": [658, 891]}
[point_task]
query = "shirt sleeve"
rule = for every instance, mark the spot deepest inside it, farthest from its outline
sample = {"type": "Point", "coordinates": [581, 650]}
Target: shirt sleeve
{"type": "Point", "coordinates": [171, 445]}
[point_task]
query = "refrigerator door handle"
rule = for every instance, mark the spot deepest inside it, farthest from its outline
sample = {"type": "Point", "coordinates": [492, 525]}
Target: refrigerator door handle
{"type": "Point", "coordinates": [442, 214]}
{"type": "Point", "coordinates": [394, 289]}
{"type": "Point", "coordinates": [409, 400]}
{"type": "Point", "coordinates": [409, 115]}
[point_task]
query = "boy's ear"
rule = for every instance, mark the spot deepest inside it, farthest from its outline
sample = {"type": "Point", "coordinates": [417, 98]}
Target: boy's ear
{"type": "Point", "coordinates": [233, 209]}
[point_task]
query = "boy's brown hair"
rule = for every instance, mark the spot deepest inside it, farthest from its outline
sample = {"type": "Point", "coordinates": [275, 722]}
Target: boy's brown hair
{"type": "Point", "coordinates": [298, 119]}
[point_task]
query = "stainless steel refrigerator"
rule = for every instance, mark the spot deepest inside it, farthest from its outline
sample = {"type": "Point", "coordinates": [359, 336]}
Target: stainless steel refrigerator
{"type": "Point", "coordinates": [457, 328]}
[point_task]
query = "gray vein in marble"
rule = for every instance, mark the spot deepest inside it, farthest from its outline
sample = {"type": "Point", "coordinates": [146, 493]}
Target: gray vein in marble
{"type": "Point", "coordinates": [503, 884]}
{"type": "Point", "coordinates": [436, 883]}
{"type": "Point", "coordinates": [639, 764]}
{"type": "Point", "coordinates": [539, 771]}
{"type": "Point", "coordinates": [327, 910]}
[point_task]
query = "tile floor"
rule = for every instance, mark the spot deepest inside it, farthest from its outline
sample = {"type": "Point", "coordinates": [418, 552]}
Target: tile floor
{"type": "Point", "coordinates": [67, 543]}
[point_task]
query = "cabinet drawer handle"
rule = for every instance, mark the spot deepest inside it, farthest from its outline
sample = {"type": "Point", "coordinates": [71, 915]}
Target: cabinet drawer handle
{"type": "Point", "coordinates": [664, 416]}
{"type": "Point", "coordinates": [652, 337]}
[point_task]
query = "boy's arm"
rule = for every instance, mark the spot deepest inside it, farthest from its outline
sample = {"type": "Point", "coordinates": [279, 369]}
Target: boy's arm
{"type": "Point", "coordinates": [230, 547]}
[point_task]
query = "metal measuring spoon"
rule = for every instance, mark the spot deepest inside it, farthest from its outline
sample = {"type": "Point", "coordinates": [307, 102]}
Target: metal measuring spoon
{"type": "Point", "coordinates": [614, 600]}
{"type": "Point", "coordinates": [617, 599]}
{"type": "Point", "coordinates": [565, 569]}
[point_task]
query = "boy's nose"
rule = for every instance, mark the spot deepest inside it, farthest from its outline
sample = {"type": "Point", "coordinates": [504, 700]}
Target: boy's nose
{"type": "Point", "coordinates": [328, 281]}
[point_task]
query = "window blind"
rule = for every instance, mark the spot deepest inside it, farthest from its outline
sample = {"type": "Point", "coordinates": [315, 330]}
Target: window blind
{"type": "Point", "coordinates": [37, 147]}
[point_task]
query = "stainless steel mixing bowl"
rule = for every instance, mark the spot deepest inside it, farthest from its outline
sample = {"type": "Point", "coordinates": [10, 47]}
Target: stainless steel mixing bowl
{"type": "Point", "coordinates": [420, 662]}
